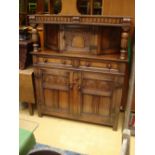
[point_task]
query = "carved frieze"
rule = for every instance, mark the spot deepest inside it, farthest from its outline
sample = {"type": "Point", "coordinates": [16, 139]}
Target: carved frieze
{"type": "Point", "coordinates": [91, 20]}
{"type": "Point", "coordinates": [97, 85]}
{"type": "Point", "coordinates": [56, 80]}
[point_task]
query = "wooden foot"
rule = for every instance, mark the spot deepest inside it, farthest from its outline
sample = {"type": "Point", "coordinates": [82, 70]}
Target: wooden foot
{"type": "Point", "coordinates": [114, 127]}
{"type": "Point", "coordinates": [115, 124]}
{"type": "Point", "coordinates": [40, 114]}
{"type": "Point", "coordinates": [39, 111]}
{"type": "Point", "coordinates": [30, 106]}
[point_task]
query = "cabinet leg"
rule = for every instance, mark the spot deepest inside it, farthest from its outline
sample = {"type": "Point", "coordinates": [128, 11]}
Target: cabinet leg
{"type": "Point", "coordinates": [40, 114]}
{"type": "Point", "coordinates": [30, 106]}
{"type": "Point", "coordinates": [115, 125]}
{"type": "Point", "coordinates": [39, 111]}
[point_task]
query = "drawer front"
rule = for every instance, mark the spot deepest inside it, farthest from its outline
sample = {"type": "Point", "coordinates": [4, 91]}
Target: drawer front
{"type": "Point", "coordinates": [108, 66]}
{"type": "Point", "coordinates": [83, 64]}
{"type": "Point", "coordinates": [54, 61]}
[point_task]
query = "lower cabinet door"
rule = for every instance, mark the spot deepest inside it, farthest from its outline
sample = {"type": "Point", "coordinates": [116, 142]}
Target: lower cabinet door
{"type": "Point", "coordinates": [100, 97]}
{"type": "Point", "coordinates": [55, 91]}
{"type": "Point", "coordinates": [79, 95]}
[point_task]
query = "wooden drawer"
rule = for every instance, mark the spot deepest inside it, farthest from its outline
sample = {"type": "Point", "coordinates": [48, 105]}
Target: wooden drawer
{"type": "Point", "coordinates": [83, 64]}
{"type": "Point", "coordinates": [109, 66]}
{"type": "Point", "coordinates": [54, 61]}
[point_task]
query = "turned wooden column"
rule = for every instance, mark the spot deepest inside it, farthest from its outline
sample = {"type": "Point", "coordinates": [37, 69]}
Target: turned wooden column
{"type": "Point", "coordinates": [124, 42]}
{"type": "Point", "coordinates": [124, 38]}
{"type": "Point", "coordinates": [69, 7]}
{"type": "Point", "coordinates": [35, 39]}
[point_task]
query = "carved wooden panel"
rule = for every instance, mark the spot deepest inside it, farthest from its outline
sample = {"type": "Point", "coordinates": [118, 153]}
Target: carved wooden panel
{"type": "Point", "coordinates": [97, 85]}
{"type": "Point", "coordinates": [96, 105]}
{"type": "Point", "coordinates": [77, 38]}
{"type": "Point", "coordinates": [101, 94]}
{"type": "Point", "coordinates": [55, 90]}
{"type": "Point", "coordinates": [96, 94]}
{"type": "Point", "coordinates": [56, 99]}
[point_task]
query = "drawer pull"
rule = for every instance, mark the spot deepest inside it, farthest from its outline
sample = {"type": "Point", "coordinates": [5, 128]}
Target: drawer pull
{"type": "Point", "coordinates": [109, 66]}
{"type": "Point", "coordinates": [88, 64]}
{"type": "Point", "coordinates": [79, 88]}
{"type": "Point", "coordinates": [63, 62]}
{"type": "Point", "coordinates": [45, 60]}
{"type": "Point", "coordinates": [71, 86]}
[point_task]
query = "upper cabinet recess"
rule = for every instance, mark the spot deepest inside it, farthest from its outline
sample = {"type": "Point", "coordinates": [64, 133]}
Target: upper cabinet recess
{"type": "Point", "coordinates": [80, 26]}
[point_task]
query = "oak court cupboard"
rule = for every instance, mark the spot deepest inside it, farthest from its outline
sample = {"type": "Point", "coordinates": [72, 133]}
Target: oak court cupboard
{"type": "Point", "coordinates": [81, 66]}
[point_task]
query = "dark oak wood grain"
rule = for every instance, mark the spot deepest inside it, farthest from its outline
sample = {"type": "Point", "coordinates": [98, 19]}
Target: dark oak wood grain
{"type": "Point", "coordinates": [80, 72]}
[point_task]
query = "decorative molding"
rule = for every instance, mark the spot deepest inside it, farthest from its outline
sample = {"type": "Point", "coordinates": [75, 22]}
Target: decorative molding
{"type": "Point", "coordinates": [82, 19]}
{"type": "Point", "coordinates": [97, 85]}
{"type": "Point", "coordinates": [55, 80]}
